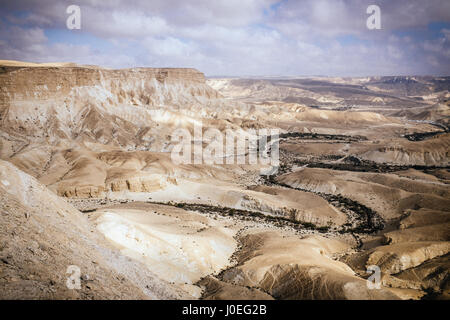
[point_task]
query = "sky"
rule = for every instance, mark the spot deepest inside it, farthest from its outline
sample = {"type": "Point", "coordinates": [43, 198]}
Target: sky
{"type": "Point", "coordinates": [234, 37]}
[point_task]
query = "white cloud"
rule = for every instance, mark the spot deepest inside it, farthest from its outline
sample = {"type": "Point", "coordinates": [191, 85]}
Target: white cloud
{"type": "Point", "coordinates": [128, 24]}
{"type": "Point", "coordinates": [233, 36]}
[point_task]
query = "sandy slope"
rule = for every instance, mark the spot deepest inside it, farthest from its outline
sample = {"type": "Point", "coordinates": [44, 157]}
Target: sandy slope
{"type": "Point", "coordinates": [292, 268]}
{"type": "Point", "coordinates": [41, 236]}
{"type": "Point", "coordinates": [178, 246]}
{"type": "Point", "coordinates": [387, 194]}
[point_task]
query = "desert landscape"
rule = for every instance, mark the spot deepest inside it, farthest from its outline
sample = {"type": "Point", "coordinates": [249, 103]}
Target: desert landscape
{"type": "Point", "coordinates": [87, 180]}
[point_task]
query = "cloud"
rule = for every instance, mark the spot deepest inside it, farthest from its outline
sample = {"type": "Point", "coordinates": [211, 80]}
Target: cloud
{"type": "Point", "coordinates": [234, 37]}
{"type": "Point", "coordinates": [446, 33]}
{"type": "Point", "coordinates": [338, 17]}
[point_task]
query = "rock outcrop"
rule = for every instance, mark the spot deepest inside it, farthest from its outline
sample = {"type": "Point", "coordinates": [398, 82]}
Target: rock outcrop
{"type": "Point", "coordinates": [292, 268]}
{"type": "Point", "coordinates": [61, 102]}
{"type": "Point", "coordinates": [44, 241]}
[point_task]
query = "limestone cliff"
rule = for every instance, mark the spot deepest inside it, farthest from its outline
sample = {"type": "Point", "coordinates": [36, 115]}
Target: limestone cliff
{"type": "Point", "coordinates": [31, 97]}
{"type": "Point", "coordinates": [68, 103]}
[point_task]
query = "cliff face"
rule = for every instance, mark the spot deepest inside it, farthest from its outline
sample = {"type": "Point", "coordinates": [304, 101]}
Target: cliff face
{"type": "Point", "coordinates": [42, 87]}
{"type": "Point", "coordinates": [41, 83]}
{"type": "Point", "coordinates": [78, 103]}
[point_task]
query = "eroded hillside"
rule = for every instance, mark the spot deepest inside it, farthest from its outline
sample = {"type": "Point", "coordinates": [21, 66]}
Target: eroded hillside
{"type": "Point", "coordinates": [87, 169]}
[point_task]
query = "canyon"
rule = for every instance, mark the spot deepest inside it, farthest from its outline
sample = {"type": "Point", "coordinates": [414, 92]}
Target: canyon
{"type": "Point", "coordinates": [87, 180]}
